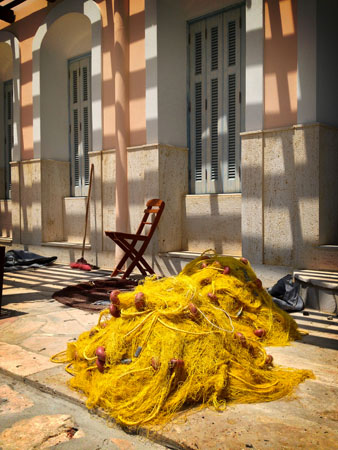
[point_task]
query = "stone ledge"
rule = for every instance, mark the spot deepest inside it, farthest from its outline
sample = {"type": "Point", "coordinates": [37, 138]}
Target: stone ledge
{"type": "Point", "coordinates": [65, 244]}
{"type": "Point", "coordinates": [328, 247]}
{"type": "Point", "coordinates": [5, 240]}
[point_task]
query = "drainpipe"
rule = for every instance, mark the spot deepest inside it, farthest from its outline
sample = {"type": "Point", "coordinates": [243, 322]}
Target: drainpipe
{"type": "Point", "coordinates": [121, 53]}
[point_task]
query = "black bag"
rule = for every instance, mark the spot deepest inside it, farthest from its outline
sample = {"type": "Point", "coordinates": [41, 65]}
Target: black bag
{"type": "Point", "coordinates": [286, 294]}
{"type": "Point", "coordinates": [21, 259]}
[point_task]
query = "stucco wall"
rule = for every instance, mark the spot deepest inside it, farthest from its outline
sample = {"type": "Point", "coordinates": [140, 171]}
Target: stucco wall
{"type": "Point", "coordinates": [5, 218]}
{"type": "Point", "coordinates": [159, 171]}
{"type": "Point", "coordinates": [213, 221]}
{"type": "Point", "coordinates": [55, 186]}
{"type": "Point", "coordinates": [289, 181]}
{"type": "Point", "coordinates": [74, 213]}
{"type": "Point", "coordinates": [30, 201]}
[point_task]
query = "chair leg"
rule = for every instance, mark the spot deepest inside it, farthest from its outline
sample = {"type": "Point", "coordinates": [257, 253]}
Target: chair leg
{"type": "Point", "coordinates": [130, 252]}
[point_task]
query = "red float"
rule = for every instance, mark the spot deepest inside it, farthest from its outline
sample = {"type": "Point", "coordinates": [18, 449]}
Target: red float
{"type": "Point", "coordinates": [140, 302]}
{"type": "Point", "coordinates": [114, 310]}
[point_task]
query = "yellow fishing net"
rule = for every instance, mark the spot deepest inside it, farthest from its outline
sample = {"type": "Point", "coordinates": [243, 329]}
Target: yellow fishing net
{"type": "Point", "coordinates": [196, 339]}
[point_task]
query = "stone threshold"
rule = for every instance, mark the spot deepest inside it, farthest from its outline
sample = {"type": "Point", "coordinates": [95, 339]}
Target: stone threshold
{"type": "Point", "coordinates": [65, 244]}
{"type": "Point", "coordinates": [329, 247]}
{"type": "Point", "coordinates": [185, 254]}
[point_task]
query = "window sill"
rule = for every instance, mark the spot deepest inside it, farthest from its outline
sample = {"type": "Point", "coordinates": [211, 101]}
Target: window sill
{"type": "Point", "coordinates": [65, 244]}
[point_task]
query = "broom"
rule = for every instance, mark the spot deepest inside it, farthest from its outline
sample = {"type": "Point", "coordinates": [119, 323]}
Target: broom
{"type": "Point", "coordinates": [82, 263]}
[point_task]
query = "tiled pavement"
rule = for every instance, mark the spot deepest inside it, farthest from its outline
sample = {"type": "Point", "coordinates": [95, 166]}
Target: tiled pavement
{"type": "Point", "coordinates": [33, 327]}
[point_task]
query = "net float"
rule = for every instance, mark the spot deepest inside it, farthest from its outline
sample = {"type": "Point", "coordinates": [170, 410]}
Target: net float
{"type": "Point", "coordinates": [258, 283]}
{"type": "Point", "coordinates": [174, 362]}
{"type": "Point", "coordinates": [212, 297]}
{"type": "Point", "coordinates": [140, 302]}
{"type": "Point", "coordinates": [193, 309]}
{"type": "Point", "coordinates": [244, 260]}
{"type": "Point", "coordinates": [203, 265]}
{"type": "Point", "coordinates": [114, 297]}
{"type": "Point", "coordinates": [114, 310]}
{"type": "Point", "coordinates": [240, 337]}
{"type": "Point", "coordinates": [100, 365]}
{"type": "Point", "coordinates": [259, 332]}
{"type": "Point", "coordinates": [155, 363]}
{"type": "Point", "coordinates": [226, 270]}
{"type": "Point", "coordinates": [268, 360]}
{"type": "Point", "coordinates": [103, 324]}
{"type": "Point", "coordinates": [100, 352]}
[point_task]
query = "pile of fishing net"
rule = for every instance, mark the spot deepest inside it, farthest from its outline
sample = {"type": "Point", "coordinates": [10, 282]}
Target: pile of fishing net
{"type": "Point", "coordinates": [196, 339]}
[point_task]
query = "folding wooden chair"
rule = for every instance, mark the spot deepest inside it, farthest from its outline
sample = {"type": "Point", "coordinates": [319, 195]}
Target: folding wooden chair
{"type": "Point", "coordinates": [128, 242]}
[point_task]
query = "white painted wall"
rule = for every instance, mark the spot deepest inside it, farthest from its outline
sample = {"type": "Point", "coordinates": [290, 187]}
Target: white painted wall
{"type": "Point", "coordinates": [68, 37]}
{"type": "Point", "coordinates": [254, 89]}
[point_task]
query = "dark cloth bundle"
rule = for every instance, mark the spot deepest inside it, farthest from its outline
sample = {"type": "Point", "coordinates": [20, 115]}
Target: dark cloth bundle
{"type": "Point", "coordinates": [286, 294]}
{"type": "Point", "coordinates": [21, 259]}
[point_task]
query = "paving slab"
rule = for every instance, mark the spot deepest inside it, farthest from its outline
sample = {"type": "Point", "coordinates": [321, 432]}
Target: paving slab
{"type": "Point", "coordinates": [40, 327]}
{"type": "Point", "coordinates": [34, 420]}
{"type": "Point", "coordinates": [18, 361]}
{"type": "Point", "coordinates": [12, 401]}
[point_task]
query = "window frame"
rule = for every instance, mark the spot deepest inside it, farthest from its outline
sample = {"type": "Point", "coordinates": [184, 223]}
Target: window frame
{"type": "Point", "coordinates": [207, 183]}
{"type": "Point", "coordinates": [80, 181]}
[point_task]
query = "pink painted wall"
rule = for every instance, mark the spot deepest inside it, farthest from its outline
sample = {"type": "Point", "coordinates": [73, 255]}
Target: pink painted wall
{"type": "Point", "coordinates": [29, 17]}
{"type": "Point", "coordinates": [108, 84]}
{"type": "Point", "coordinates": [280, 63]}
{"type": "Point", "coordinates": [137, 70]}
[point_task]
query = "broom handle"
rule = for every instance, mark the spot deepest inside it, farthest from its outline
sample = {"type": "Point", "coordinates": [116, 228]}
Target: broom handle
{"type": "Point", "coordinates": [87, 208]}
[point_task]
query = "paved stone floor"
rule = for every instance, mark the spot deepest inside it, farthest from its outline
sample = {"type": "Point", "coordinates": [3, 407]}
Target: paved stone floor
{"type": "Point", "coordinates": [33, 327]}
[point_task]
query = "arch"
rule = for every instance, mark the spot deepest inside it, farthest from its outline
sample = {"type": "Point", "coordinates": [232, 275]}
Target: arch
{"type": "Point", "coordinates": [91, 11]}
{"type": "Point", "coordinates": [9, 39]}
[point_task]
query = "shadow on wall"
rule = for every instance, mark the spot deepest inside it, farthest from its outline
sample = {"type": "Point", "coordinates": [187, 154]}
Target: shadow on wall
{"type": "Point", "coordinates": [280, 64]}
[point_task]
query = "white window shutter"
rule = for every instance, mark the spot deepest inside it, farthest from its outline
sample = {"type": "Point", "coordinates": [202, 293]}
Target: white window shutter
{"type": "Point", "coordinates": [85, 117]}
{"type": "Point", "coordinates": [214, 103]}
{"type": "Point", "coordinates": [197, 102]}
{"type": "Point", "coordinates": [80, 124]}
{"type": "Point", "coordinates": [232, 104]}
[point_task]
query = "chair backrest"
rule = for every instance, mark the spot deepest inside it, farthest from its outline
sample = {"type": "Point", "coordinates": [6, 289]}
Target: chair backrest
{"type": "Point", "coordinates": [151, 217]}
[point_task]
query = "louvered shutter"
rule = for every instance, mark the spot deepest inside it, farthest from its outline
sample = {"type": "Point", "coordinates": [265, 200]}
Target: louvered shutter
{"type": "Point", "coordinates": [8, 113]}
{"type": "Point", "coordinates": [85, 117]}
{"type": "Point", "coordinates": [198, 98]}
{"type": "Point", "coordinates": [232, 105]}
{"type": "Point", "coordinates": [80, 124]}
{"type": "Point", "coordinates": [214, 104]}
